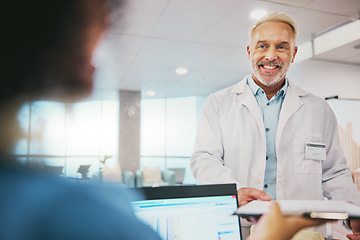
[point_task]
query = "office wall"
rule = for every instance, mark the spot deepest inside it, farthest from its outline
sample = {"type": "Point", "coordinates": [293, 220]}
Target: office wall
{"type": "Point", "coordinates": [327, 79]}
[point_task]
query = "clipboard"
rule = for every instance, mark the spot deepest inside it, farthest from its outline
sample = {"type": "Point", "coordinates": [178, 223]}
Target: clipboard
{"type": "Point", "coordinates": [320, 209]}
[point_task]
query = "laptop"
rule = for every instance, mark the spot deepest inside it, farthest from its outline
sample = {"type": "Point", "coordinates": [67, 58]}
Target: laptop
{"type": "Point", "coordinates": [193, 212]}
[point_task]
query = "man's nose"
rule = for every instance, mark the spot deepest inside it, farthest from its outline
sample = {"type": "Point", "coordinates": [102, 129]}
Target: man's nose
{"type": "Point", "coordinates": [271, 54]}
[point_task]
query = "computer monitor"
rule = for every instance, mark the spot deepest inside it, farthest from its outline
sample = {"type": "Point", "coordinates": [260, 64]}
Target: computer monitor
{"type": "Point", "coordinates": [191, 212]}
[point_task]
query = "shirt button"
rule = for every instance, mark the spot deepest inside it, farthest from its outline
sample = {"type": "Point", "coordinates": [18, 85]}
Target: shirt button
{"type": "Point", "coordinates": [267, 129]}
{"type": "Point", "coordinates": [265, 186]}
{"type": "Point", "coordinates": [267, 157]}
{"type": "Point", "coordinates": [268, 103]}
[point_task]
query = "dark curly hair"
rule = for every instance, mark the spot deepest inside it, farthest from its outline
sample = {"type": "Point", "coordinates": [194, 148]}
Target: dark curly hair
{"type": "Point", "coordinates": [46, 47]}
{"type": "Point", "coordinates": [42, 41]}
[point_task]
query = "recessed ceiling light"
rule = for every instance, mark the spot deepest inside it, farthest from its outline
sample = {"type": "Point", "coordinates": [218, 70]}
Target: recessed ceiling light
{"type": "Point", "coordinates": [150, 93]}
{"type": "Point", "coordinates": [258, 14]}
{"type": "Point", "coordinates": [181, 70]}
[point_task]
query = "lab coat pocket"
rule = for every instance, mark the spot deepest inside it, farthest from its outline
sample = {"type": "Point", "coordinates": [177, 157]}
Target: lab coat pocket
{"type": "Point", "coordinates": [301, 164]}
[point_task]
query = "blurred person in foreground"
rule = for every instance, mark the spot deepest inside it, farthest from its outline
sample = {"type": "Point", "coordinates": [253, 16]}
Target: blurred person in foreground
{"type": "Point", "coordinates": [48, 52]}
{"type": "Point", "coordinates": [48, 47]}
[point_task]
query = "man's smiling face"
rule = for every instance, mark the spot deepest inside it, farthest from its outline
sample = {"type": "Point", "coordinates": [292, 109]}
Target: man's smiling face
{"type": "Point", "coordinates": [271, 50]}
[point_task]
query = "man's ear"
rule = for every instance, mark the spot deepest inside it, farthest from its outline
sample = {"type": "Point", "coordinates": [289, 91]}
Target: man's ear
{"type": "Point", "coordinates": [295, 51]}
{"type": "Point", "coordinates": [248, 51]}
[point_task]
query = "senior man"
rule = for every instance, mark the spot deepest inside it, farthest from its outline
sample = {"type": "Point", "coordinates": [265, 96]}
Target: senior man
{"type": "Point", "coordinates": [270, 137]}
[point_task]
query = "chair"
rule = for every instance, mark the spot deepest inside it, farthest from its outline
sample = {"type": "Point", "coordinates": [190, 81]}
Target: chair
{"type": "Point", "coordinates": [179, 174]}
{"type": "Point", "coordinates": [126, 177]}
{"type": "Point", "coordinates": [83, 170]}
{"type": "Point", "coordinates": [165, 178]}
{"type": "Point", "coordinates": [57, 170]}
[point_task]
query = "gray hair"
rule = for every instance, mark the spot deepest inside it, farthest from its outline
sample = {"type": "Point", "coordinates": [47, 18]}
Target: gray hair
{"type": "Point", "coordinates": [275, 17]}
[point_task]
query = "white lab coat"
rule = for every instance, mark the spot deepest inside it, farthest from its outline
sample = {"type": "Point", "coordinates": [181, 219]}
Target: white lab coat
{"type": "Point", "coordinates": [230, 145]}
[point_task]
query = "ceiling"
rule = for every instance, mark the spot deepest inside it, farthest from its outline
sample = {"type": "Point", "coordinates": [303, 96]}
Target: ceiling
{"type": "Point", "coordinates": [208, 37]}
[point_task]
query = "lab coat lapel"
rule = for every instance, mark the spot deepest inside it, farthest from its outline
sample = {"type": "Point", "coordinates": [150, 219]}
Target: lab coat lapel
{"type": "Point", "coordinates": [292, 103]}
{"type": "Point", "coordinates": [247, 98]}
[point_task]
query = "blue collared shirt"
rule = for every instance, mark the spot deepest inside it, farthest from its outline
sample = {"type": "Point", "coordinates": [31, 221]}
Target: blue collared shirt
{"type": "Point", "coordinates": [270, 110]}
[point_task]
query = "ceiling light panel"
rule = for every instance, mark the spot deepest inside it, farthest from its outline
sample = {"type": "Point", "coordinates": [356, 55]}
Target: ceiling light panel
{"type": "Point", "coordinates": [337, 37]}
{"type": "Point", "coordinates": [293, 3]}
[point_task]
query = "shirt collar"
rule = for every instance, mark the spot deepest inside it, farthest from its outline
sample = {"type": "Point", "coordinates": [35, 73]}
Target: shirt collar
{"type": "Point", "coordinates": [255, 88]}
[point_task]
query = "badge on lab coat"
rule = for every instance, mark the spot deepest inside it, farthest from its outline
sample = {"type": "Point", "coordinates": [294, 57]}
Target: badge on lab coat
{"type": "Point", "coordinates": [315, 151]}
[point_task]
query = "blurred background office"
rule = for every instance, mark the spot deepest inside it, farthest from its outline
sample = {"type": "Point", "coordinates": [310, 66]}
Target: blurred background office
{"type": "Point", "coordinates": [155, 71]}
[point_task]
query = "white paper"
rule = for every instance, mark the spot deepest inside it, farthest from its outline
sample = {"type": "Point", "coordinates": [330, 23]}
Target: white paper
{"type": "Point", "coordinates": [302, 208]}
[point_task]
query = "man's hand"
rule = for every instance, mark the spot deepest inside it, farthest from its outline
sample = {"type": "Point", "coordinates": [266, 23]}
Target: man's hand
{"type": "Point", "coordinates": [355, 225]}
{"type": "Point", "coordinates": [246, 195]}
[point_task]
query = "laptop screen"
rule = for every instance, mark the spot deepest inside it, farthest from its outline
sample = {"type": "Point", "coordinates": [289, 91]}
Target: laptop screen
{"type": "Point", "coordinates": [191, 212]}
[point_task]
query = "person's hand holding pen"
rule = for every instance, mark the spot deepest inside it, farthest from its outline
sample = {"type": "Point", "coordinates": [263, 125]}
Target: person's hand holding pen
{"type": "Point", "coordinates": [274, 225]}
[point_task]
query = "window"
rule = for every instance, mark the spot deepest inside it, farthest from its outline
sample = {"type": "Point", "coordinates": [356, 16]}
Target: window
{"type": "Point", "coordinates": [47, 128]}
{"type": "Point", "coordinates": [152, 141]}
{"type": "Point", "coordinates": [68, 135]}
{"type": "Point", "coordinates": [168, 129]}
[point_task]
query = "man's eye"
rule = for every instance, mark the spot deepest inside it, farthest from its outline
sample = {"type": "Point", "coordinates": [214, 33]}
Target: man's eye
{"type": "Point", "coordinates": [261, 46]}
